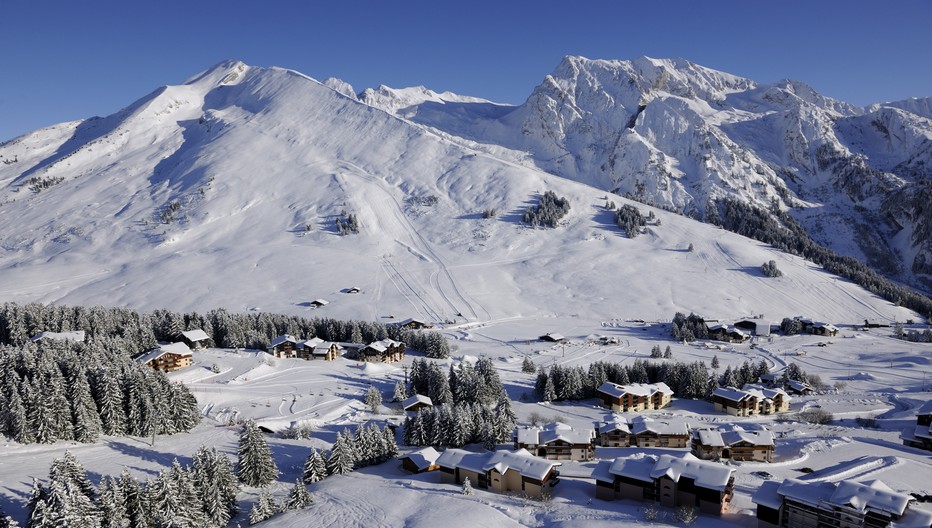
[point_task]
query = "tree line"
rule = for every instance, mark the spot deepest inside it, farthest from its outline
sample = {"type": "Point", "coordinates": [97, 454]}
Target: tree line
{"type": "Point", "coordinates": [139, 332]}
{"type": "Point", "coordinates": [57, 390]}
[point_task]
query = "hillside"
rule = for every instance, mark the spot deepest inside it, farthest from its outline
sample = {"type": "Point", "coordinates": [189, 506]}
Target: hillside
{"type": "Point", "coordinates": [673, 133]}
{"type": "Point", "coordinates": [225, 191]}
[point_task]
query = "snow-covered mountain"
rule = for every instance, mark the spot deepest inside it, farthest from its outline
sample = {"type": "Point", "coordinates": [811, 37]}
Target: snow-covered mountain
{"type": "Point", "coordinates": [676, 134]}
{"type": "Point", "coordinates": [226, 191]}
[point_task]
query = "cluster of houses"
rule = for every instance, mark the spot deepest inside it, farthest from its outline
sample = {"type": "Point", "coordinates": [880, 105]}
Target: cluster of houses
{"type": "Point", "coordinates": [288, 347]}
{"type": "Point", "coordinates": [743, 329]}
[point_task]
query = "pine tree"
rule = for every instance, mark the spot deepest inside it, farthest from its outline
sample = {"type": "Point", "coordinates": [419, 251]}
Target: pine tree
{"type": "Point", "coordinates": [109, 400]}
{"type": "Point", "coordinates": [505, 419]}
{"type": "Point", "coordinates": [263, 509]}
{"type": "Point", "coordinates": [527, 366]}
{"type": "Point", "coordinates": [256, 466]}
{"type": "Point", "coordinates": [655, 352]}
{"type": "Point", "coordinates": [668, 353]}
{"type": "Point", "coordinates": [467, 487]}
{"type": "Point", "coordinates": [390, 445]}
{"type": "Point", "coordinates": [550, 393]}
{"type": "Point", "coordinates": [715, 363]}
{"type": "Point", "coordinates": [315, 468]}
{"type": "Point", "coordinates": [341, 460]}
{"type": "Point", "coordinates": [400, 394]}
{"type": "Point", "coordinates": [112, 505]}
{"type": "Point", "coordinates": [87, 426]}
{"type": "Point", "coordinates": [373, 399]}
{"type": "Point", "coordinates": [298, 498]}
{"type": "Point", "coordinates": [135, 498]}
{"type": "Point", "coordinates": [217, 485]}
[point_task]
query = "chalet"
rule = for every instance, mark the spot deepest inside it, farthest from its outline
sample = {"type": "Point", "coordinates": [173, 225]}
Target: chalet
{"type": "Point", "coordinates": [168, 358]}
{"type": "Point", "coordinates": [319, 303]}
{"type": "Point", "coordinates": [635, 396]}
{"type": "Point", "coordinates": [823, 329]}
{"type": "Point", "coordinates": [416, 403]}
{"type": "Point", "coordinates": [729, 334]}
{"type": "Point", "coordinates": [671, 480]}
{"type": "Point", "coordinates": [798, 387]}
{"type": "Point", "coordinates": [552, 338]}
{"type": "Point", "coordinates": [413, 324]}
{"type": "Point", "coordinates": [421, 460]}
{"type": "Point", "coordinates": [733, 443]}
{"type": "Point", "coordinates": [643, 431]}
{"type": "Point", "coordinates": [195, 339]}
{"type": "Point", "coordinates": [846, 503]}
{"type": "Point", "coordinates": [500, 471]}
{"type": "Point", "coordinates": [750, 401]}
{"type": "Point", "coordinates": [327, 351]}
{"type": "Point", "coordinates": [353, 289]}
{"type": "Point", "coordinates": [757, 327]}
{"type": "Point", "coordinates": [556, 441]}
{"type": "Point", "coordinates": [76, 336]}
{"type": "Point", "coordinates": [283, 346]}
{"type": "Point", "coordinates": [921, 435]}
{"type": "Point", "coordinates": [385, 351]}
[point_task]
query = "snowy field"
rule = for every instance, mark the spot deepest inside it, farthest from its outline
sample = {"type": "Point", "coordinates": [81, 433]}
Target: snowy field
{"type": "Point", "coordinates": [882, 378]}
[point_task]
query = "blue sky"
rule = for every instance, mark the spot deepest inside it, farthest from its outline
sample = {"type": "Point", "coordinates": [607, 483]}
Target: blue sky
{"type": "Point", "coordinates": [66, 60]}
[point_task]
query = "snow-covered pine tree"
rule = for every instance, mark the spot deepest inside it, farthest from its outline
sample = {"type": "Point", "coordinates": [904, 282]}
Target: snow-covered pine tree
{"type": "Point", "coordinates": [400, 393]}
{"type": "Point", "coordinates": [668, 353]}
{"type": "Point", "coordinates": [263, 509]}
{"type": "Point", "coordinates": [109, 399]}
{"type": "Point", "coordinates": [256, 467]}
{"type": "Point", "coordinates": [87, 426]}
{"type": "Point", "coordinates": [527, 366]}
{"type": "Point", "coordinates": [390, 445]}
{"type": "Point", "coordinates": [135, 500]}
{"type": "Point", "coordinates": [467, 487]}
{"type": "Point", "coordinates": [373, 399]}
{"type": "Point", "coordinates": [298, 497]}
{"type": "Point", "coordinates": [341, 460]}
{"type": "Point", "coordinates": [216, 484]}
{"type": "Point", "coordinates": [505, 418]}
{"type": "Point", "coordinates": [315, 468]}
{"type": "Point", "coordinates": [715, 363]}
{"type": "Point", "coordinates": [112, 505]}
{"type": "Point", "coordinates": [550, 393]}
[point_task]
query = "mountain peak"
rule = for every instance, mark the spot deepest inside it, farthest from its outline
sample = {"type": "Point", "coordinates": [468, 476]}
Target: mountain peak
{"type": "Point", "coordinates": [229, 71]}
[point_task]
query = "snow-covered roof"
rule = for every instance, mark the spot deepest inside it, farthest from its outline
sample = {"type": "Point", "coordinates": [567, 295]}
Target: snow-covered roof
{"type": "Point", "coordinates": [762, 392]}
{"type": "Point", "coordinates": [423, 458]}
{"type": "Point", "coordinates": [77, 336]}
{"type": "Point", "coordinates": [179, 349]}
{"type": "Point", "coordinates": [323, 348]}
{"type": "Point", "coordinates": [637, 389]}
{"type": "Point", "coordinates": [502, 461]}
{"type": "Point", "coordinates": [553, 336]}
{"type": "Point", "coordinates": [195, 335]}
{"type": "Point", "coordinates": [731, 394]}
{"type": "Point", "coordinates": [724, 435]}
{"type": "Point", "coordinates": [312, 342]}
{"type": "Point", "coordinates": [320, 302]}
{"type": "Point", "coordinates": [861, 496]}
{"type": "Point", "coordinates": [767, 495]}
{"type": "Point", "coordinates": [383, 345]}
{"type": "Point", "coordinates": [798, 386]}
{"type": "Point", "coordinates": [551, 433]}
{"type": "Point", "coordinates": [417, 398]}
{"type": "Point", "coordinates": [285, 338]}
{"type": "Point", "coordinates": [647, 468]}
{"type": "Point", "coordinates": [619, 423]}
{"type": "Point", "coordinates": [666, 426]}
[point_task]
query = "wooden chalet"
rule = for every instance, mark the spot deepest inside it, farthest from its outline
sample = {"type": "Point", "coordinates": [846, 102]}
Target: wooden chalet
{"type": "Point", "coordinates": [750, 401]}
{"type": "Point", "coordinates": [742, 443]}
{"type": "Point", "coordinates": [643, 431]}
{"type": "Point", "coordinates": [283, 346]}
{"type": "Point", "coordinates": [921, 435]}
{"type": "Point", "coordinates": [635, 396]}
{"type": "Point", "coordinates": [556, 441]}
{"type": "Point", "coordinates": [421, 460]}
{"type": "Point", "coordinates": [168, 358]}
{"type": "Point", "coordinates": [798, 387]}
{"type": "Point", "coordinates": [847, 504]}
{"type": "Point", "coordinates": [195, 339]}
{"type": "Point", "coordinates": [552, 338]}
{"type": "Point", "coordinates": [729, 334]}
{"type": "Point", "coordinates": [671, 480]}
{"type": "Point", "coordinates": [317, 348]}
{"type": "Point", "coordinates": [319, 303]}
{"type": "Point", "coordinates": [757, 327]}
{"type": "Point", "coordinates": [501, 471]}
{"type": "Point", "coordinates": [413, 324]}
{"type": "Point", "coordinates": [385, 351]}
{"type": "Point", "coordinates": [75, 337]}
{"type": "Point", "coordinates": [416, 403]}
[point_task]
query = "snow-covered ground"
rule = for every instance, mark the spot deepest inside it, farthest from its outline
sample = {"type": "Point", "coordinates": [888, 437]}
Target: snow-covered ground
{"type": "Point", "coordinates": [878, 377]}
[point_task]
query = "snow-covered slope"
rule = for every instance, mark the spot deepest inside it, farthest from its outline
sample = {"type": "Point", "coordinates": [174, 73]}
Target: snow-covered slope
{"type": "Point", "coordinates": [225, 191]}
{"type": "Point", "coordinates": [672, 133]}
